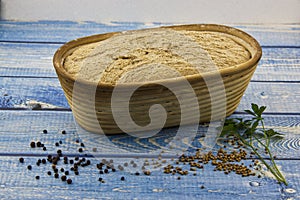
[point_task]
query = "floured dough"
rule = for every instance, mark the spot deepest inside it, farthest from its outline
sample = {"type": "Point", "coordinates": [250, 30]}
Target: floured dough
{"type": "Point", "coordinates": [149, 55]}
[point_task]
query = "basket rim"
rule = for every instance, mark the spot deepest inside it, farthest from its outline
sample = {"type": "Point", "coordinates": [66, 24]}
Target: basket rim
{"type": "Point", "coordinates": [61, 52]}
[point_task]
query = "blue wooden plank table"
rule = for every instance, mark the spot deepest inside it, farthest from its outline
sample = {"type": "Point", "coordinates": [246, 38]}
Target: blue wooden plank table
{"type": "Point", "coordinates": [31, 100]}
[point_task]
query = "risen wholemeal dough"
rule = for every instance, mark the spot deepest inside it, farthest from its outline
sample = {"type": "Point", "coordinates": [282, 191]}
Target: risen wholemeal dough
{"type": "Point", "coordinates": [148, 55]}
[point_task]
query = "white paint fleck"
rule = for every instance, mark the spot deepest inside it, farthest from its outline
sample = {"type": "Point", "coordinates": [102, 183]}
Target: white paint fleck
{"type": "Point", "coordinates": [290, 190]}
{"type": "Point", "coordinates": [215, 190]}
{"type": "Point", "coordinates": [120, 190]}
{"type": "Point", "coordinates": [254, 183]}
{"type": "Point", "coordinates": [157, 190]}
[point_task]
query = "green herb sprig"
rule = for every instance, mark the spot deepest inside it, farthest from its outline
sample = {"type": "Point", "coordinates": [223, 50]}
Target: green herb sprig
{"type": "Point", "coordinates": [248, 131]}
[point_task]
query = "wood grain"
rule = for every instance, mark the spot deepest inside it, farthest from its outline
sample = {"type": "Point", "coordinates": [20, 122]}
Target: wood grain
{"type": "Point", "coordinates": [157, 185]}
{"type": "Point", "coordinates": [63, 31]}
{"type": "Point", "coordinates": [20, 128]}
{"type": "Point", "coordinates": [28, 93]}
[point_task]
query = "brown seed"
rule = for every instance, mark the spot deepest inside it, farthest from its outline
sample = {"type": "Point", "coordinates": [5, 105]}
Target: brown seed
{"type": "Point", "coordinates": [147, 173]}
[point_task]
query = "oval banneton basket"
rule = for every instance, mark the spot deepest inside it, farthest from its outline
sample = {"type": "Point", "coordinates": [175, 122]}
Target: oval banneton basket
{"type": "Point", "coordinates": [93, 101]}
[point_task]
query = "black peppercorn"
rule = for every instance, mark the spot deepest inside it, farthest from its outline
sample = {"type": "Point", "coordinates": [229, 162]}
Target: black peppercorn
{"type": "Point", "coordinates": [106, 171]}
{"type": "Point", "coordinates": [63, 178]}
{"type": "Point", "coordinates": [37, 177]}
{"type": "Point", "coordinates": [44, 149]}
{"type": "Point", "coordinates": [56, 175]}
{"type": "Point", "coordinates": [66, 173]}
{"type": "Point", "coordinates": [56, 144]}
{"type": "Point", "coordinates": [45, 131]}
{"type": "Point", "coordinates": [29, 167]}
{"type": "Point", "coordinates": [82, 144]}
{"type": "Point", "coordinates": [69, 181]}
{"type": "Point", "coordinates": [32, 144]}
{"type": "Point", "coordinates": [100, 179]}
{"type": "Point", "coordinates": [80, 150]}
{"type": "Point", "coordinates": [21, 160]}
{"type": "Point", "coordinates": [39, 144]}
{"type": "Point", "coordinates": [63, 132]}
{"type": "Point", "coordinates": [122, 178]}
{"type": "Point", "coordinates": [49, 173]}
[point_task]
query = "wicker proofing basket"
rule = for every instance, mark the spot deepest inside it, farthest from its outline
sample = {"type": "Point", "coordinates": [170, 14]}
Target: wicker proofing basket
{"type": "Point", "coordinates": [235, 80]}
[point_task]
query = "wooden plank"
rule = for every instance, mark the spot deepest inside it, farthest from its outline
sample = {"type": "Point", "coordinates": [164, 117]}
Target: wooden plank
{"type": "Point", "coordinates": [19, 128]}
{"type": "Point", "coordinates": [63, 31]}
{"type": "Point", "coordinates": [31, 93]}
{"type": "Point", "coordinates": [35, 60]}
{"type": "Point", "coordinates": [28, 93]}
{"type": "Point", "coordinates": [23, 59]}
{"type": "Point", "coordinates": [16, 182]}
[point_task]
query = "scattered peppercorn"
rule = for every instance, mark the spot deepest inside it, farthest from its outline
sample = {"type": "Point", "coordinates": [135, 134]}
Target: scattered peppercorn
{"type": "Point", "coordinates": [69, 181]}
{"type": "Point", "coordinates": [56, 175]}
{"type": "Point", "coordinates": [49, 173]}
{"type": "Point", "coordinates": [56, 144]}
{"type": "Point", "coordinates": [80, 150]}
{"type": "Point", "coordinates": [63, 178]}
{"type": "Point", "coordinates": [45, 131]}
{"type": "Point", "coordinates": [37, 177]}
{"type": "Point", "coordinates": [21, 160]}
{"type": "Point", "coordinates": [66, 173]}
{"type": "Point", "coordinates": [32, 144]}
{"type": "Point", "coordinates": [44, 149]}
{"type": "Point", "coordinates": [122, 178]}
{"type": "Point", "coordinates": [29, 167]}
{"type": "Point", "coordinates": [38, 144]}
{"type": "Point", "coordinates": [63, 132]}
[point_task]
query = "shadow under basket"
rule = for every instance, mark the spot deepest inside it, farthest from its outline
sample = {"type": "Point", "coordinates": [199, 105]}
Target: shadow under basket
{"type": "Point", "coordinates": [217, 93]}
